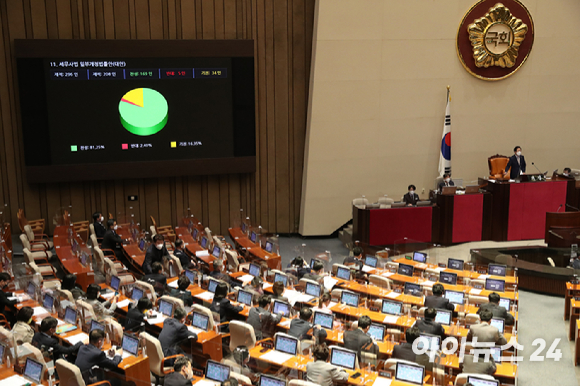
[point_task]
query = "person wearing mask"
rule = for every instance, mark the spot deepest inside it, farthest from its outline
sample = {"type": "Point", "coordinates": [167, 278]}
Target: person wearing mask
{"type": "Point", "coordinates": [222, 305]}
{"type": "Point", "coordinates": [155, 253]}
{"type": "Point", "coordinates": [356, 258]}
{"type": "Point", "coordinates": [136, 315]}
{"type": "Point", "coordinates": [69, 283]}
{"type": "Point", "coordinates": [405, 350]}
{"type": "Point", "coordinates": [411, 198]}
{"type": "Point", "coordinates": [278, 291]}
{"type": "Point", "coordinates": [358, 340]}
{"type": "Point", "coordinates": [438, 301]}
{"type": "Point", "coordinates": [484, 331]}
{"type": "Point", "coordinates": [241, 356]}
{"type": "Point", "coordinates": [567, 172]}
{"type": "Point", "coordinates": [45, 340]}
{"type": "Point", "coordinates": [91, 355]}
{"type": "Point", "coordinates": [298, 267]}
{"type": "Point", "coordinates": [22, 330]}
{"type": "Point", "coordinates": [517, 163]}
{"type": "Point", "coordinates": [98, 225]}
{"type": "Point", "coordinates": [496, 310]}
{"type": "Point", "coordinates": [174, 332]}
{"type": "Point", "coordinates": [447, 181]}
{"type": "Point", "coordinates": [218, 271]}
{"type": "Point", "coordinates": [101, 310]}
{"type": "Point", "coordinates": [181, 291]}
{"type": "Point", "coordinates": [299, 327]}
{"type": "Point", "coordinates": [6, 305]}
{"type": "Point", "coordinates": [321, 372]}
{"type": "Point", "coordinates": [317, 271]}
{"type": "Point", "coordinates": [262, 319]}
{"type": "Point", "coordinates": [184, 259]}
{"type": "Point", "coordinates": [429, 325]}
{"type": "Point", "coordinates": [255, 286]}
{"type": "Point", "coordinates": [156, 278]}
{"type": "Point", "coordinates": [112, 241]}
{"type": "Point", "coordinates": [182, 374]}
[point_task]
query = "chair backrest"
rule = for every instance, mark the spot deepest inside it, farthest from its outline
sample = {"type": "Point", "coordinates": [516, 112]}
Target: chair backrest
{"type": "Point", "coordinates": [92, 230]}
{"type": "Point", "coordinates": [21, 219]}
{"type": "Point", "coordinates": [68, 295]}
{"type": "Point", "coordinates": [233, 262]}
{"type": "Point", "coordinates": [242, 379]}
{"type": "Point", "coordinates": [217, 241]}
{"type": "Point", "coordinates": [148, 288]}
{"type": "Point", "coordinates": [472, 319]}
{"type": "Point", "coordinates": [27, 255]}
{"type": "Point", "coordinates": [461, 379]}
{"type": "Point", "coordinates": [386, 200]}
{"type": "Point", "coordinates": [24, 241]}
{"type": "Point", "coordinates": [117, 330]}
{"type": "Point", "coordinates": [380, 281]}
{"type": "Point", "coordinates": [174, 266]}
{"type": "Point", "coordinates": [360, 203]}
{"type": "Point", "coordinates": [29, 232]}
{"type": "Point", "coordinates": [69, 374]}
{"type": "Point", "coordinates": [241, 334]}
{"type": "Point", "coordinates": [94, 240]}
{"type": "Point", "coordinates": [204, 310]}
{"type": "Point", "coordinates": [153, 230]}
{"type": "Point", "coordinates": [299, 382]}
{"type": "Point", "coordinates": [86, 310]}
{"type": "Point", "coordinates": [575, 173]}
{"type": "Point", "coordinates": [175, 301]}
{"type": "Point", "coordinates": [99, 259]}
{"type": "Point", "coordinates": [7, 336]}
{"type": "Point", "coordinates": [34, 267]}
{"type": "Point", "coordinates": [497, 164]}
{"type": "Point", "coordinates": [473, 299]}
{"type": "Point", "coordinates": [34, 352]}
{"type": "Point", "coordinates": [391, 363]}
{"type": "Point", "coordinates": [208, 234]}
{"type": "Point", "coordinates": [154, 352]}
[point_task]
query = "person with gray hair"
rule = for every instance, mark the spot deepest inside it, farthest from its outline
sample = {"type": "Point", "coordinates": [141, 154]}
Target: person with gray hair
{"type": "Point", "coordinates": [218, 271]}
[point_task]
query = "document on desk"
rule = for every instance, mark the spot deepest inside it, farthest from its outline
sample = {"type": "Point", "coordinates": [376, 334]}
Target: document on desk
{"type": "Point", "coordinates": [483, 277]}
{"type": "Point", "coordinates": [276, 357]}
{"type": "Point", "coordinates": [159, 318]}
{"type": "Point", "coordinates": [382, 381]}
{"type": "Point", "coordinates": [40, 311]}
{"type": "Point", "coordinates": [391, 319]}
{"type": "Point", "coordinates": [245, 278]}
{"type": "Point", "coordinates": [329, 282]}
{"type": "Point", "coordinates": [195, 330]}
{"type": "Point", "coordinates": [206, 295]}
{"type": "Point", "coordinates": [108, 295]}
{"type": "Point", "coordinates": [123, 303]}
{"type": "Point", "coordinates": [367, 268]}
{"type": "Point", "coordinates": [286, 323]}
{"type": "Point", "coordinates": [59, 322]}
{"type": "Point", "coordinates": [206, 382]}
{"type": "Point", "coordinates": [266, 285]}
{"type": "Point", "coordinates": [428, 283]}
{"type": "Point", "coordinates": [475, 291]}
{"type": "Point", "coordinates": [296, 297]}
{"type": "Point", "coordinates": [387, 274]}
{"type": "Point", "coordinates": [80, 337]}
{"type": "Point", "coordinates": [15, 380]}
{"type": "Point", "coordinates": [205, 252]}
{"type": "Point", "coordinates": [173, 284]}
{"type": "Point", "coordinates": [126, 354]}
{"type": "Point", "coordinates": [392, 295]}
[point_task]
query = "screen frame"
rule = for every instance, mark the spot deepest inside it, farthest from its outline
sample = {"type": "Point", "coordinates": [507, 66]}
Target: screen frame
{"type": "Point", "coordinates": [217, 364]}
{"type": "Point", "coordinates": [335, 348]}
{"type": "Point", "coordinates": [410, 365]}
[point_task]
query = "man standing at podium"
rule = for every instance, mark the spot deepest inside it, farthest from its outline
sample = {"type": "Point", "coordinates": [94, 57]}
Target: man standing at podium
{"type": "Point", "coordinates": [517, 163]}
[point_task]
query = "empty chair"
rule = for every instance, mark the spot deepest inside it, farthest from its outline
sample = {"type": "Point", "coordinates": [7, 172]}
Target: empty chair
{"type": "Point", "coordinates": [174, 267]}
{"type": "Point", "coordinates": [37, 226]}
{"type": "Point", "coordinates": [111, 270]}
{"type": "Point", "coordinates": [175, 301]}
{"type": "Point", "coordinates": [385, 202]}
{"type": "Point", "coordinates": [233, 262]}
{"type": "Point", "coordinates": [477, 300]}
{"type": "Point", "coordinates": [86, 311]}
{"type": "Point", "coordinates": [241, 334]}
{"type": "Point", "coordinates": [156, 357]}
{"type": "Point", "coordinates": [360, 203]}
{"type": "Point", "coordinates": [38, 254]}
{"type": "Point", "coordinates": [148, 289]}
{"type": "Point", "coordinates": [70, 375]}
{"type": "Point", "coordinates": [461, 379]}
{"type": "Point", "coordinates": [380, 281]}
{"type": "Point", "coordinates": [242, 379]}
{"type": "Point", "coordinates": [39, 238]}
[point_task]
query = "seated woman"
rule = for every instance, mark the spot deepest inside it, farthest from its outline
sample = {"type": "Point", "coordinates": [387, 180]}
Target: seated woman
{"type": "Point", "coordinates": [324, 303]}
{"type": "Point", "coordinates": [101, 310]}
{"type": "Point", "coordinates": [278, 290]}
{"type": "Point", "coordinates": [22, 330]}
{"type": "Point", "coordinates": [222, 306]}
{"type": "Point", "coordinates": [136, 315]}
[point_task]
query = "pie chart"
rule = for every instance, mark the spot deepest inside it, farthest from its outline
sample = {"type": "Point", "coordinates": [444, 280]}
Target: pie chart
{"type": "Point", "coordinates": [143, 111]}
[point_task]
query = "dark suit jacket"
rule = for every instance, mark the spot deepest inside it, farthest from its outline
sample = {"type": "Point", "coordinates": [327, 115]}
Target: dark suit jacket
{"type": "Point", "coordinates": [134, 319]}
{"type": "Point", "coordinates": [411, 200]}
{"type": "Point", "coordinates": [99, 230]}
{"type": "Point", "coordinates": [226, 310]}
{"type": "Point", "coordinates": [89, 356]}
{"type": "Point", "coordinates": [357, 340]}
{"type": "Point", "coordinates": [176, 379]}
{"type": "Point", "coordinates": [312, 276]}
{"type": "Point", "coordinates": [498, 312]}
{"type": "Point", "coordinates": [260, 318]}
{"type": "Point", "coordinates": [153, 255]}
{"type": "Point", "coordinates": [405, 351]}
{"type": "Point", "coordinates": [299, 328]}
{"type": "Point", "coordinates": [442, 184]}
{"type": "Point", "coordinates": [4, 301]}
{"type": "Point", "coordinates": [220, 276]}
{"type": "Point", "coordinates": [516, 167]}
{"type": "Point", "coordinates": [171, 336]}
{"type": "Point", "coordinates": [439, 302]}
{"type": "Point", "coordinates": [430, 327]}
{"type": "Point", "coordinates": [111, 240]}
{"type": "Point", "coordinates": [183, 295]}
{"type": "Point", "coordinates": [40, 339]}
{"type": "Point", "coordinates": [184, 259]}
{"type": "Point", "coordinates": [158, 280]}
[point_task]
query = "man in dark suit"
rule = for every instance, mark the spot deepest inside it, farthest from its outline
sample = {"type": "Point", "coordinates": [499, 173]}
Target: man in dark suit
{"type": "Point", "coordinates": [316, 273]}
{"type": "Point", "coordinates": [45, 341]}
{"type": "Point", "coordinates": [358, 339]}
{"type": "Point", "coordinates": [496, 310]}
{"type": "Point", "coordinates": [136, 316]}
{"type": "Point", "coordinates": [263, 321]}
{"type": "Point", "coordinates": [91, 355]}
{"type": "Point", "coordinates": [112, 241]}
{"type": "Point", "coordinates": [429, 325]}
{"type": "Point", "coordinates": [155, 253]}
{"type": "Point", "coordinates": [405, 350]}
{"type": "Point", "coordinates": [355, 259]}
{"type": "Point", "coordinates": [4, 301]}
{"type": "Point", "coordinates": [218, 272]}
{"type": "Point", "coordinates": [157, 279]}
{"type": "Point", "coordinates": [299, 327]}
{"type": "Point", "coordinates": [184, 259]}
{"type": "Point", "coordinates": [98, 225]}
{"type": "Point", "coordinates": [437, 300]}
{"type": "Point", "coordinates": [182, 373]}
{"type": "Point", "coordinates": [447, 181]}
{"type": "Point", "coordinates": [517, 163]}
{"type": "Point", "coordinates": [174, 332]}
{"type": "Point", "coordinates": [411, 198]}
{"type": "Point", "coordinates": [181, 291]}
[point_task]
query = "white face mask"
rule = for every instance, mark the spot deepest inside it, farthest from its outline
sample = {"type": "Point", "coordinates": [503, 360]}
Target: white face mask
{"type": "Point", "coordinates": [159, 246]}
{"type": "Point", "coordinates": [519, 153]}
{"type": "Point", "coordinates": [115, 227]}
{"type": "Point", "coordinates": [447, 179]}
{"type": "Point", "coordinates": [411, 192]}
{"type": "Point", "coordinates": [101, 219]}
{"type": "Point", "coordinates": [565, 174]}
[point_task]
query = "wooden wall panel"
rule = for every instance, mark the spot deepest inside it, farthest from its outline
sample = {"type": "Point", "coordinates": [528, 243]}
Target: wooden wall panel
{"type": "Point", "coordinates": [283, 39]}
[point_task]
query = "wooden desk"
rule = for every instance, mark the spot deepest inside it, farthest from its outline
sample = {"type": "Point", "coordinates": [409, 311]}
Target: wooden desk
{"type": "Point", "coordinates": [69, 262]}
{"type": "Point", "coordinates": [273, 260]}
{"type": "Point", "coordinates": [192, 247]}
{"type": "Point", "coordinates": [574, 315]}
{"type": "Point", "coordinates": [464, 217]}
{"type": "Point", "coordinates": [577, 345]}
{"type": "Point", "coordinates": [8, 372]}
{"type": "Point", "coordinates": [134, 255]}
{"type": "Point", "coordinates": [571, 289]}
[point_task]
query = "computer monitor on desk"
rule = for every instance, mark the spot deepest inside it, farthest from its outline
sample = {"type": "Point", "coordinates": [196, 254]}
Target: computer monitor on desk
{"type": "Point", "coordinates": [349, 298]}
{"type": "Point", "coordinates": [444, 317]}
{"type": "Point", "coordinates": [413, 289]}
{"type": "Point", "coordinates": [448, 278]}
{"type": "Point", "coordinates": [455, 297]}
{"type": "Point", "coordinates": [475, 381]}
{"type": "Point", "coordinates": [405, 269]}
{"type": "Point", "coordinates": [216, 371]}
{"type": "Point", "coordinates": [377, 332]}
{"type": "Point", "coordinates": [33, 370]}
{"type": "Point", "coordinates": [371, 261]}
{"type": "Point", "coordinates": [496, 269]}
{"type": "Point", "coordinates": [419, 257]}
{"type": "Point", "coordinates": [254, 270]}
{"type": "Point", "coordinates": [407, 372]}
{"type": "Point", "coordinates": [391, 307]}
{"type": "Point", "coordinates": [281, 308]}
{"type": "Point", "coordinates": [455, 264]}
{"type": "Point", "coordinates": [324, 319]}
{"type": "Point", "coordinates": [268, 380]}
{"type": "Point", "coordinates": [281, 277]}
{"type": "Point", "coordinates": [495, 285]}
{"type": "Point", "coordinates": [498, 323]}
{"type": "Point", "coordinates": [313, 289]}
{"type": "Point", "coordinates": [448, 190]}
{"type": "Point", "coordinates": [343, 273]}
{"type": "Point", "coordinates": [343, 358]}
{"type": "Point", "coordinates": [286, 344]}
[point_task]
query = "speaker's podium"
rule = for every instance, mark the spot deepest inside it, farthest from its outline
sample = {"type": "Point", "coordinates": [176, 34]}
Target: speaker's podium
{"type": "Point", "coordinates": [562, 229]}
{"type": "Point", "coordinates": [519, 207]}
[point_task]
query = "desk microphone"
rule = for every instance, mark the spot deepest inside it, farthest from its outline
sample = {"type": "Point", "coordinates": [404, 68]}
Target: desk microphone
{"type": "Point", "coordinates": [572, 207]}
{"type": "Point", "coordinates": [559, 208]}
{"type": "Point", "coordinates": [539, 169]}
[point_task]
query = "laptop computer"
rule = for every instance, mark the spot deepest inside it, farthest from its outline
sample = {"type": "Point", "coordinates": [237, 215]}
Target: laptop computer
{"type": "Point", "coordinates": [269, 246]}
{"type": "Point", "coordinates": [136, 294]}
{"type": "Point", "coordinates": [448, 190]}
{"type": "Point", "coordinates": [419, 257]}
{"type": "Point", "coordinates": [448, 277]}
{"type": "Point", "coordinates": [471, 189]}
{"type": "Point", "coordinates": [343, 273]}
{"type": "Point", "coordinates": [115, 282]}
{"type": "Point", "coordinates": [413, 289]}
{"type": "Point", "coordinates": [33, 370]}
{"type": "Point", "coordinates": [281, 307]}
{"type": "Point", "coordinates": [455, 297]}
{"type": "Point", "coordinates": [495, 285]}
{"type": "Point", "coordinates": [393, 308]}
{"type": "Point", "coordinates": [444, 317]}
{"type": "Point", "coordinates": [349, 298]}
{"type": "Point", "coordinates": [377, 332]}
{"type": "Point", "coordinates": [204, 242]}
{"type": "Point", "coordinates": [200, 321]}
{"type": "Point", "coordinates": [190, 275]}
{"type": "Point", "coordinates": [505, 303]}
{"type": "Point", "coordinates": [130, 344]}
{"type": "Point", "coordinates": [48, 302]}
{"type": "Point", "coordinates": [313, 289]}
{"type": "Point", "coordinates": [70, 315]}
{"type": "Point", "coordinates": [216, 252]}
{"type": "Point", "coordinates": [253, 237]}
{"type": "Point", "coordinates": [407, 372]}
{"type": "Point", "coordinates": [245, 297]}
{"type": "Point", "coordinates": [371, 261]}
{"type": "Point", "coordinates": [254, 270]}
{"type": "Point", "coordinates": [96, 326]}
{"type": "Point", "coordinates": [212, 285]}
{"type": "Point", "coordinates": [455, 264]}
{"type": "Point", "coordinates": [342, 357]}
{"type": "Point", "coordinates": [498, 323]}
{"type": "Point", "coordinates": [286, 343]}
{"type": "Point", "coordinates": [482, 382]}
{"type": "Point", "coordinates": [325, 320]}
{"type": "Point", "coordinates": [166, 308]}
{"type": "Point", "coordinates": [268, 380]}
{"type": "Point", "coordinates": [496, 269]}
{"type": "Point", "coordinates": [405, 269]}
{"type": "Point", "coordinates": [281, 277]}
{"type": "Point", "coordinates": [432, 342]}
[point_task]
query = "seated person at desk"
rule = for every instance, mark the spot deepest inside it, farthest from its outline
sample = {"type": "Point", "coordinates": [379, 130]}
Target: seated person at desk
{"type": "Point", "coordinates": [156, 252]}
{"type": "Point", "coordinates": [447, 181]}
{"type": "Point", "coordinates": [174, 332]}
{"type": "Point", "coordinates": [241, 357]}
{"type": "Point", "coordinates": [429, 325]}
{"type": "Point", "coordinates": [112, 240]}
{"type": "Point", "coordinates": [6, 303]}
{"type": "Point", "coordinates": [316, 274]}
{"type": "Point", "coordinates": [182, 374]}
{"type": "Point", "coordinates": [101, 310]}
{"type": "Point", "coordinates": [321, 372]}
{"type": "Point", "coordinates": [222, 305]}
{"type": "Point", "coordinates": [517, 163]}
{"type": "Point", "coordinates": [69, 283]}
{"type": "Point", "coordinates": [91, 355]}
{"type": "Point", "coordinates": [255, 286]}
{"type": "Point", "coordinates": [358, 339]}
{"type": "Point", "coordinates": [496, 310]}
{"type": "Point", "coordinates": [261, 318]}
{"type": "Point", "coordinates": [299, 327]}
{"type": "Point", "coordinates": [184, 259]}
{"type": "Point", "coordinates": [22, 331]}
{"type": "Point", "coordinates": [156, 278]}
{"type": "Point", "coordinates": [136, 315]}
{"type": "Point", "coordinates": [405, 350]}
{"type": "Point", "coordinates": [181, 291]}
{"type": "Point", "coordinates": [298, 267]}
{"type": "Point", "coordinates": [575, 263]}
{"type": "Point", "coordinates": [45, 340]}
{"type": "Point", "coordinates": [324, 303]}
{"type": "Point", "coordinates": [356, 258]}
{"type": "Point", "coordinates": [437, 300]}
{"type": "Point", "coordinates": [218, 271]}
{"type": "Point", "coordinates": [567, 172]}
{"type": "Point", "coordinates": [484, 331]}
{"type": "Point", "coordinates": [278, 290]}
{"type": "Point", "coordinates": [98, 225]}
{"type": "Point", "coordinates": [411, 198]}
{"type": "Point", "coordinates": [477, 364]}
